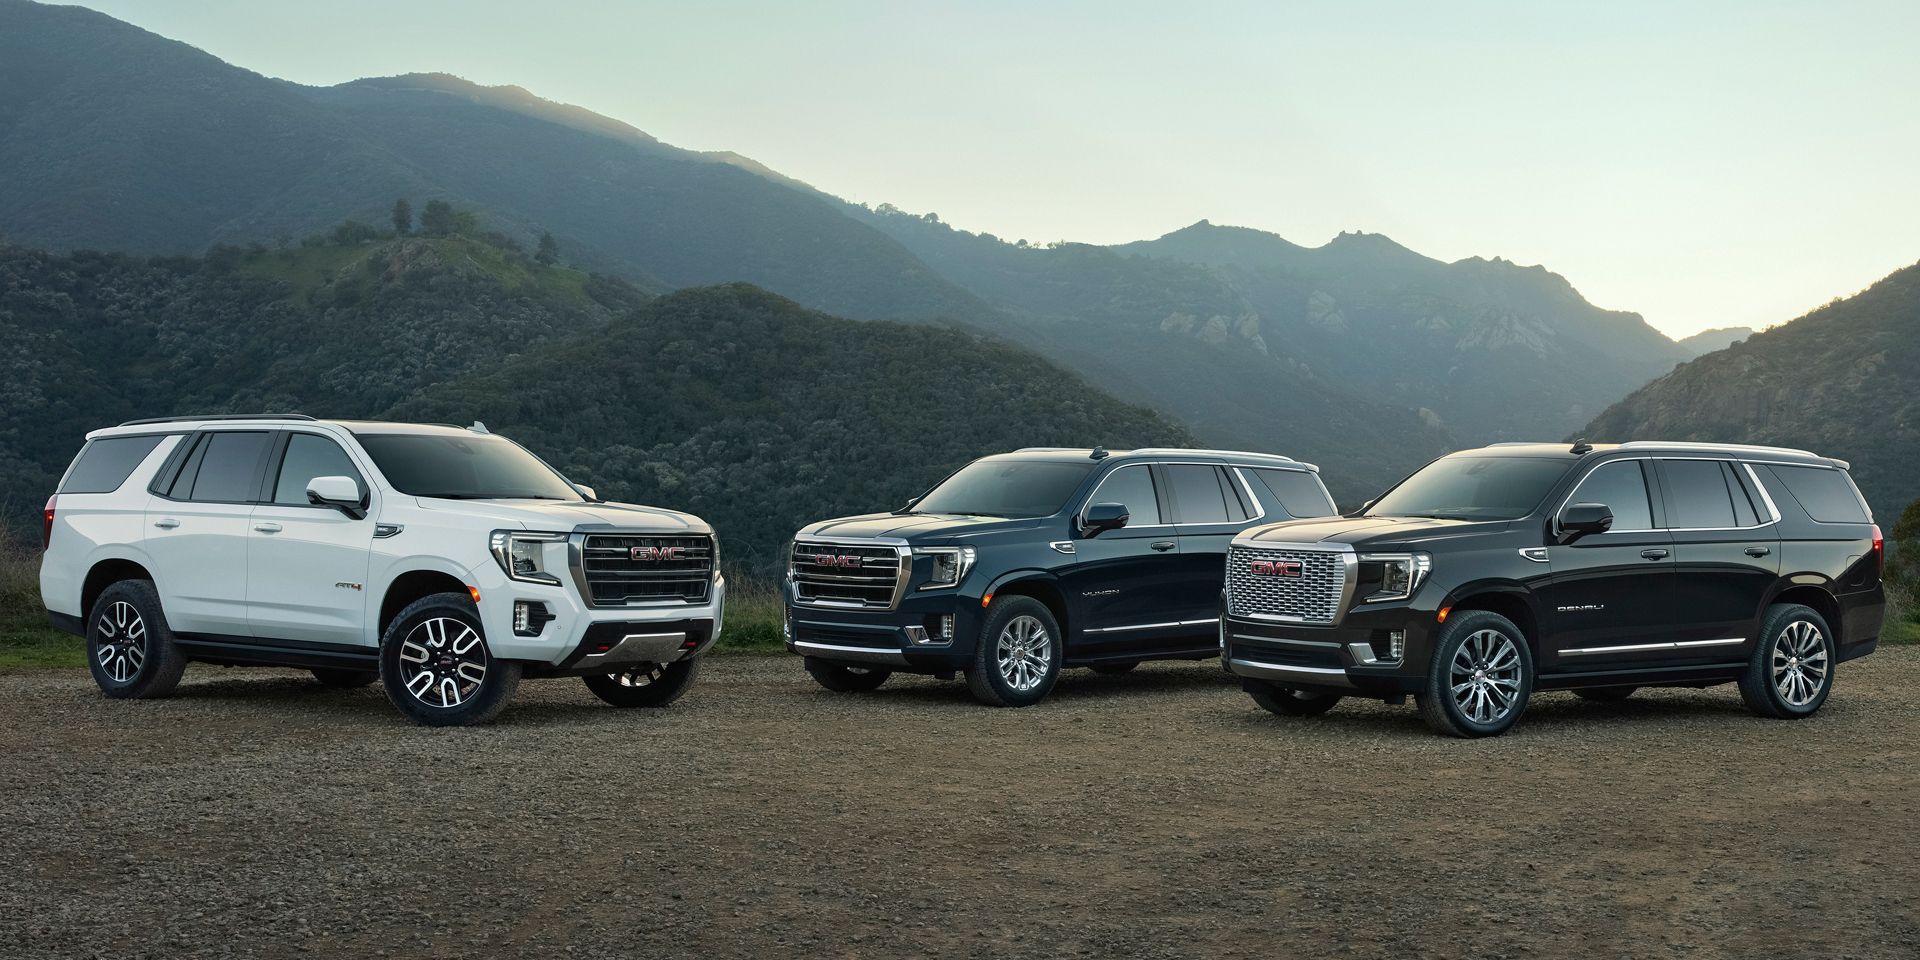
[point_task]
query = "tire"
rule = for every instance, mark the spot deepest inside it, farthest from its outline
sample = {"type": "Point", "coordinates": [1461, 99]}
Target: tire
{"type": "Point", "coordinates": [1790, 671]}
{"type": "Point", "coordinates": [1480, 679]}
{"type": "Point", "coordinates": [1115, 669]}
{"type": "Point", "coordinates": [846, 679]}
{"type": "Point", "coordinates": [645, 684]}
{"type": "Point", "coordinates": [1293, 703]}
{"type": "Point", "coordinates": [345, 679]}
{"type": "Point", "coordinates": [1605, 694]}
{"type": "Point", "coordinates": [438, 647]}
{"type": "Point", "coordinates": [130, 648]}
{"type": "Point", "coordinates": [1017, 658]}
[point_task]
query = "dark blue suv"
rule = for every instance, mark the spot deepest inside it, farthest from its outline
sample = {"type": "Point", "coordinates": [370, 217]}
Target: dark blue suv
{"type": "Point", "coordinates": [1021, 564]}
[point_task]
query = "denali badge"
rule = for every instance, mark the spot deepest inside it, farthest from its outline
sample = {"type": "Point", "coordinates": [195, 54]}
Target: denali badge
{"type": "Point", "coordinates": [1274, 568]}
{"type": "Point", "coordinates": [829, 560]}
{"type": "Point", "coordinates": [659, 553]}
{"type": "Point", "coordinates": [1583, 608]}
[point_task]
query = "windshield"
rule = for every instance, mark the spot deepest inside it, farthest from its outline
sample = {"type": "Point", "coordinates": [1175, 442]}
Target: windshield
{"type": "Point", "coordinates": [1018, 489]}
{"type": "Point", "coordinates": [1473, 488]}
{"type": "Point", "coordinates": [464, 468]}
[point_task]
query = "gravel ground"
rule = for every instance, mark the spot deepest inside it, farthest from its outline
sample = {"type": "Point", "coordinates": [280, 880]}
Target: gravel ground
{"type": "Point", "coordinates": [1159, 814]}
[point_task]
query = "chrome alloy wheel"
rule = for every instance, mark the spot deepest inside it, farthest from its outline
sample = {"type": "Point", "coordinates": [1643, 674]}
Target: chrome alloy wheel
{"type": "Point", "coordinates": [1023, 652]}
{"type": "Point", "coordinates": [1485, 676]}
{"type": "Point", "coordinates": [640, 674]}
{"type": "Point", "coordinates": [123, 642]}
{"type": "Point", "coordinates": [1799, 663]}
{"type": "Point", "coordinates": [443, 662]}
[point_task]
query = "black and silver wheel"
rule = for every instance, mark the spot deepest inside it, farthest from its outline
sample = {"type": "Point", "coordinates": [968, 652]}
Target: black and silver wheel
{"type": "Point", "coordinates": [1791, 670]}
{"type": "Point", "coordinates": [1480, 678]}
{"type": "Point", "coordinates": [846, 677]}
{"type": "Point", "coordinates": [1115, 669]}
{"type": "Point", "coordinates": [129, 646]}
{"type": "Point", "coordinates": [436, 668]}
{"type": "Point", "coordinates": [1018, 657]}
{"type": "Point", "coordinates": [1293, 703]}
{"type": "Point", "coordinates": [343, 679]}
{"type": "Point", "coordinates": [644, 684]}
{"type": "Point", "coordinates": [1605, 694]}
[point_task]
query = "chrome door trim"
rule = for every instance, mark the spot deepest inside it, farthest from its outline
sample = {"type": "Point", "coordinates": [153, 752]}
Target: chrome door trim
{"type": "Point", "coordinates": [1630, 648]}
{"type": "Point", "coordinates": [1154, 626]}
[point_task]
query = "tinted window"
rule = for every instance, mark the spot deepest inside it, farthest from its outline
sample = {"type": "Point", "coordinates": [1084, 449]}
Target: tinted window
{"type": "Point", "coordinates": [227, 468]}
{"type": "Point", "coordinates": [183, 481]}
{"type": "Point", "coordinates": [1697, 494]}
{"type": "Point", "coordinates": [310, 456]}
{"type": "Point", "coordinates": [1622, 486]}
{"type": "Point", "coordinates": [107, 463]}
{"type": "Point", "coordinates": [1006, 488]}
{"type": "Point", "coordinates": [1474, 488]}
{"type": "Point", "coordinates": [1238, 508]}
{"type": "Point", "coordinates": [1132, 486]}
{"type": "Point", "coordinates": [1827, 495]}
{"type": "Point", "coordinates": [1196, 496]}
{"type": "Point", "coordinates": [1299, 492]}
{"type": "Point", "coordinates": [476, 467]}
{"type": "Point", "coordinates": [1745, 513]}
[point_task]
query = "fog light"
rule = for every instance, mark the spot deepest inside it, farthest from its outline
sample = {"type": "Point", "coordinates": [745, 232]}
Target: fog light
{"type": "Point", "coordinates": [916, 635]}
{"type": "Point", "coordinates": [946, 626]}
{"type": "Point", "coordinates": [1397, 644]}
{"type": "Point", "coordinates": [529, 618]}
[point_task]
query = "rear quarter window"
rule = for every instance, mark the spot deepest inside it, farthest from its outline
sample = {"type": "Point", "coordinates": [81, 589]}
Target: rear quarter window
{"type": "Point", "coordinates": [106, 463]}
{"type": "Point", "coordinates": [1827, 495]}
{"type": "Point", "coordinates": [1299, 492]}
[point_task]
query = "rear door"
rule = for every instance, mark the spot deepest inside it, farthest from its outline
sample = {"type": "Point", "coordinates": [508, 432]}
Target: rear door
{"type": "Point", "coordinates": [197, 531]}
{"type": "Point", "coordinates": [1211, 505]}
{"type": "Point", "coordinates": [1727, 552]}
{"type": "Point", "coordinates": [1122, 582]}
{"type": "Point", "coordinates": [1608, 597]}
{"type": "Point", "coordinates": [307, 565]}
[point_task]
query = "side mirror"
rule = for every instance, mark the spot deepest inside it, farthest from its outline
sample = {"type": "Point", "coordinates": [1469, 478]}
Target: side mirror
{"type": "Point", "coordinates": [340, 493]}
{"type": "Point", "coordinates": [585, 491]}
{"type": "Point", "coordinates": [1581, 519]}
{"type": "Point", "coordinates": [1102, 517]}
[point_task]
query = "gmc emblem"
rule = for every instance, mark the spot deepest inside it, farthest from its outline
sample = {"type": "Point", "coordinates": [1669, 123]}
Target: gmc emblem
{"type": "Point", "coordinates": [1274, 568]}
{"type": "Point", "coordinates": [829, 560]}
{"type": "Point", "coordinates": [659, 554]}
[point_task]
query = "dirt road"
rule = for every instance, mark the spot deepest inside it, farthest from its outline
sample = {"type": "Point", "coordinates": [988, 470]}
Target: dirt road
{"type": "Point", "coordinates": [1159, 814]}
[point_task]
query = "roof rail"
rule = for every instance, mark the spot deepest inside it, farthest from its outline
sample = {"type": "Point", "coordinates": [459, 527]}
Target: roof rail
{"type": "Point", "coordinates": [1690, 445]}
{"type": "Point", "coordinates": [1526, 443]}
{"type": "Point", "coordinates": [1163, 451]}
{"type": "Point", "coordinates": [222, 416]}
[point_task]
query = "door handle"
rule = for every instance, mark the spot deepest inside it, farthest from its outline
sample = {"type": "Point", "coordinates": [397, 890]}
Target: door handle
{"type": "Point", "coordinates": [267, 527]}
{"type": "Point", "coordinates": [1655, 554]}
{"type": "Point", "coordinates": [167, 524]}
{"type": "Point", "coordinates": [1162, 545]}
{"type": "Point", "coordinates": [1758, 551]}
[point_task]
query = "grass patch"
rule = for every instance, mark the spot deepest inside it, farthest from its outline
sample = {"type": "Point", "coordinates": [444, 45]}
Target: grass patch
{"type": "Point", "coordinates": [754, 617]}
{"type": "Point", "coordinates": [1900, 633]}
{"type": "Point", "coordinates": [26, 640]}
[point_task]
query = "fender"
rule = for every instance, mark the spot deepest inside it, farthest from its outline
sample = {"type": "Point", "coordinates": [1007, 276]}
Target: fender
{"type": "Point", "coordinates": [1024, 573]}
{"type": "Point", "coordinates": [1511, 588]}
{"type": "Point", "coordinates": [74, 589]}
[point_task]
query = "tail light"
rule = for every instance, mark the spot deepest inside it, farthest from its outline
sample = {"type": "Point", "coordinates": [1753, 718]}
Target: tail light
{"type": "Point", "coordinates": [1879, 546]}
{"type": "Point", "coordinates": [46, 526]}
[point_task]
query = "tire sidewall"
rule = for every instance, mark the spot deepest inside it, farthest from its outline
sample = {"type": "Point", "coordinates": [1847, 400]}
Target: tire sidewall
{"type": "Point", "coordinates": [1438, 695]}
{"type": "Point", "coordinates": [1760, 666]}
{"type": "Point", "coordinates": [162, 662]}
{"type": "Point", "coordinates": [985, 677]}
{"type": "Point", "coordinates": [486, 702]}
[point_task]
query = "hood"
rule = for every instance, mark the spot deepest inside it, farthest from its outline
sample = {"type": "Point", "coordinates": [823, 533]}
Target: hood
{"type": "Point", "coordinates": [913, 526]}
{"type": "Point", "coordinates": [1372, 531]}
{"type": "Point", "coordinates": [565, 516]}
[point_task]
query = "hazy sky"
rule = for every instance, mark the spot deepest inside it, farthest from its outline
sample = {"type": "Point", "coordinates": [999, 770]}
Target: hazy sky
{"type": "Point", "coordinates": [1706, 164]}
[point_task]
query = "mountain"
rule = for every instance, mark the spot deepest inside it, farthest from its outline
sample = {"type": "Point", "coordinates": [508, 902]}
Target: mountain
{"type": "Point", "coordinates": [114, 138]}
{"type": "Point", "coordinates": [1842, 381]}
{"type": "Point", "coordinates": [1720, 338]}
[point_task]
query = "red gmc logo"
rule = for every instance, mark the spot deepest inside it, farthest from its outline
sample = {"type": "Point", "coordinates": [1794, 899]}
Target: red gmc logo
{"type": "Point", "coordinates": [659, 553]}
{"type": "Point", "coordinates": [829, 560]}
{"type": "Point", "coordinates": [1274, 568]}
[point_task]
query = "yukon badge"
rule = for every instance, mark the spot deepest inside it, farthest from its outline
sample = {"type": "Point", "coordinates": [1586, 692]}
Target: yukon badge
{"type": "Point", "coordinates": [659, 554]}
{"type": "Point", "coordinates": [1274, 568]}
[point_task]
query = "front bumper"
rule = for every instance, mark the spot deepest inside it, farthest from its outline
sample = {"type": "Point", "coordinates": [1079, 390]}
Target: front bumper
{"type": "Point", "coordinates": [907, 638]}
{"type": "Point", "coordinates": [573, 638]}
{"type": "Point", "coordinates": [1352, 659]}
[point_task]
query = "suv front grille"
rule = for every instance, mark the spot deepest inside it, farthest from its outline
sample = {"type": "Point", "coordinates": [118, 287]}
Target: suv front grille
{"type": "Point", "coordinates": [1313, 594]}
{"type": "Point", "coordinates": [844, 575]}
{"type": "Point", "coordinates": [624, 568]}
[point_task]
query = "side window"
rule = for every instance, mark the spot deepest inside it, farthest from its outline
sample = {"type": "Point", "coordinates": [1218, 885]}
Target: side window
{"type": "Point", "coordinates": [1827, 495]}
{"type": "Point", "coordinates": [1697, 494]}
{"type": "Point", "coordinates": [1746, 513]}
{"type": "Point", "coordinates": [227, 466]}
{"type": "Point", "coordinates": [107, 463]}
{"type": "Point", "coordinates": [1132, 486]}
{"type": "Point", "coordinates": [1622, 486]}
{"type": "Point", "coordinates": [1238, 509]}
{"type": "Point", "coordinates": [309, 456]}
{"type": "Point", "coordinates": [1197, 497]}
{"type": "Point", "coordinates": [1299, 492]}
{"type": "Point", "coordinates": [183, 481]}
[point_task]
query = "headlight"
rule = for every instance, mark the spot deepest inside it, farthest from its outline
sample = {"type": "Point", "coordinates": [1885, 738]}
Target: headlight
{"type": "Point", "coordinates": [1401, 574]}
{"type": "Point", "coordinates": [950, 565]}
{"type": "Point", "coordinates": [523, 555]}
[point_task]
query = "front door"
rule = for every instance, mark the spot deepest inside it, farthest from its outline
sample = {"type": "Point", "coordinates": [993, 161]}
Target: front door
{"type": "Point", "coordinates": [1608, 599]}
{"type": "Point", "coordinates": [1122, 585]}
{"type": "Point", "coordinates": [307, 565]}
{"type": "Point", "coordinates": [197, 532]}
{"type": "Point", "coordinates": [1728, 554]}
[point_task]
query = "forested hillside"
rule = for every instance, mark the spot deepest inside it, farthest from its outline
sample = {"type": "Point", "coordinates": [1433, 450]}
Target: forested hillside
{"type": "Point", "coordinates": [1843, 381]}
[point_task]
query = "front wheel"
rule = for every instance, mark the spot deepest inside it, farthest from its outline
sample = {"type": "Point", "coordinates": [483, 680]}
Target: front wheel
{"type": "Point", "coordinates": [130, 648]}
{"type": "Point", "coordinates": [436, 668]}
{"type": "Point", "coordinates": [1018, 656]}
{"type": "Point", "coordinates": [841, 678]}
{"type": "Point", "coordinates": [1791, 670]}
{"type": "Point", "coordinates": [644, 684]}
{"type": "Point", "coordinates": [1480, 678]}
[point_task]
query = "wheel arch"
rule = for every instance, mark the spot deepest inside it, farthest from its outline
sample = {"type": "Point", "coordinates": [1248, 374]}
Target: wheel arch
{"type": "Point", "coordinates": [1818, 599]}
{"type": "Point", "coordinates": [1511, 600]}
{"type": "Point", "coordinates": [1040, 586]}
{"type": "Point", "coordinates": [105, 573]}
{"type": "Point", "coordinates": [410, 586]}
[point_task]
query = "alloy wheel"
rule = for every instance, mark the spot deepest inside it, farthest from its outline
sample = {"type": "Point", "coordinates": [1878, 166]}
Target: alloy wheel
{"type": "Point", "coordinates": [122, 643]}
{"type": "Point", "coordinates": [1485, 676]}
{"type": "Point", "coordinates": [1024, 653]}
{"type": "Point", "coordinates": [443, 662]}
{"type": "Point", "coordinates": [640, 675]}
{"type": "Point", "coordinates": [1799, 663]}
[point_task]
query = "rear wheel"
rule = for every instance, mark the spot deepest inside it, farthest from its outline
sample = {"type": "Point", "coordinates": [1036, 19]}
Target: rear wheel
{"type": "Point", "coordinates": [130, 649]}
{"type": "Point", "coordinates": [645, 684]}
{"type": "Point", "coordinates": [1791, 670]}
{"type": "Point", "coordinates": [842, 678]}
{"type": "Point", "coordinates": [436, 668]}
{"type": "Point", "coordinates": [1293, 703]}
{"type": "Point", "coordinates": [1480, 678]}
{"type": "Point", "coordinates": [1605, 694]}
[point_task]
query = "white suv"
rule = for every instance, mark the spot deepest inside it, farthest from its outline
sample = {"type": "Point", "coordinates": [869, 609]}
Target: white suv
{"type": "Point", "coordinates": [445, 562]}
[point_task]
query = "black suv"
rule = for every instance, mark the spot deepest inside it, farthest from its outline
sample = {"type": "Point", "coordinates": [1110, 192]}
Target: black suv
{"type": "Point", "coordinates": [1492, 573]}
{"type": "Point", "coordinates": [1020, 564]}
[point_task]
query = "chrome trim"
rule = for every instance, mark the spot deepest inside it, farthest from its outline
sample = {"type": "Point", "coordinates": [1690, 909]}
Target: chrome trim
{"type": "Point", "coordinates": [639, 648]}
{"type": "Point", "coordinates": [577, 567]}
{"type": "Point", "coordinates": [500, 544]}
{"type": "Point", "coordinates": [1536, 554]}
{"type": "Point", "coordinates": [1246, 488]}
{"type": "Point", "coordinates": [1653, 487]}
{"type": "Point", "coordinates": [1080, 515]}
{"type": "Point", "coordinates": [1287, 640]}
{"type": "Point", "coordinates": [1352, 563]}
{"type": "Point", "coordinates": [1062, 546]}
{"type": "Point", "coordinates": [862, 654]}
{"type": "Point", "coordinates": [1696, 445]}
{"type": "Point", "coordinates": [1325, 676]}
{"type": "Point", "coordinates": [1420, 565]}
{"type": "Point", "coordinates": [901, 549]}
{"type": "Point", "coordinates": [1184, 452]}
{"type": "Point", "coordinates": [1679, 645]}
{"type": "Point", "coordinates": [381, 531]}
{"type": "Point", "coordinates": [1232, 468]}
{"type": "Point", "coordinates": [1153, 626]}
{"type": "Point", "coordinates": [1764, 494]}
{"type": "Point", "coordinates": [963, 560]}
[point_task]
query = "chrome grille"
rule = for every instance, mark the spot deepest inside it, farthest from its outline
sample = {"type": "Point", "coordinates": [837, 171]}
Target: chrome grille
{"type": "Point", "coordinates": [1314, 596]}
{"type": "Point", "coordinates": [847, 575]}
{"type": "Point", "coordinates": [623, 568]}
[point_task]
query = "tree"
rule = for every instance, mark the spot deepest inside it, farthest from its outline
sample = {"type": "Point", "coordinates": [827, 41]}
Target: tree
{"type": "Point", "coordinates": [438, 219]}
{"type": "Point", "coordinates": [548, 252]}
{"type": "Point", "coordinates": [402, 216]}
{"type": "Point", "coordinates": [352, 232]}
